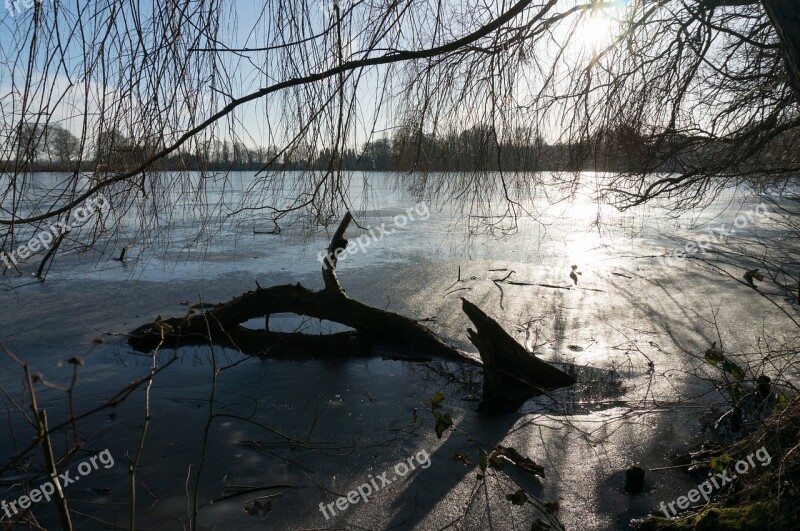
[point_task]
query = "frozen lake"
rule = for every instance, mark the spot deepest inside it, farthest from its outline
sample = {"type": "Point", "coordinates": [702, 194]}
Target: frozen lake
{"type": "Point", "coordinates": [305, 433]}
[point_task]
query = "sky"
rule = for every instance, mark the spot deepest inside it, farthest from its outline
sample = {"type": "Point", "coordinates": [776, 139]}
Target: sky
{"type": "Point", "coordinates": [69, 98]}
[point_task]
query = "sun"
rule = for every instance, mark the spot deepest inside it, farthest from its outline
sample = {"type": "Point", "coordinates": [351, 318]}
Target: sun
{"type": "Point", "coordinates": [596, 30]}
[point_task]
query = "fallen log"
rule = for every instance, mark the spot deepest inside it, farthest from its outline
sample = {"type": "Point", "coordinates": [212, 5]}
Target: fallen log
{"type": "Point", "coordinates": [223, 323]}
{"type": "Point", "coordinates": [509, 371]}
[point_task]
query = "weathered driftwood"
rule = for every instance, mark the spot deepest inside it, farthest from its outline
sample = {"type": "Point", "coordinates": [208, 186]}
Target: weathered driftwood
{"type": "Point", "coordinates": [509, 371]}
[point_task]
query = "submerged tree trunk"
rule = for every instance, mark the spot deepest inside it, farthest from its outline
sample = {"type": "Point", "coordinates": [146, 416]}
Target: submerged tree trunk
{"type": "Point", "coordinates": [510, 372]}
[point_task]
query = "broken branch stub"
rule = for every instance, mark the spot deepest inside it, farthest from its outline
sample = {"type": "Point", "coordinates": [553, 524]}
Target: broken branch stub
{"type": "Point", "coordinates": [329, 263]}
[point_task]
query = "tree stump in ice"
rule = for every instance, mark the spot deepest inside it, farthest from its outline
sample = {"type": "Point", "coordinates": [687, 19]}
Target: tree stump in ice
{"type": "Point", "coordinates": [510, 372]}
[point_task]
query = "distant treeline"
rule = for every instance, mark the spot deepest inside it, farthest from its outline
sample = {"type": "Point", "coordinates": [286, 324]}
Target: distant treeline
{"type": "Point", "coordinates": [53, 148]}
